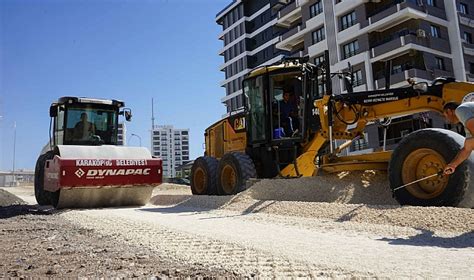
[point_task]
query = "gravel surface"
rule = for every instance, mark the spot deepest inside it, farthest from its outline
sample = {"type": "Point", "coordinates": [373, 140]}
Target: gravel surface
{"type": "Point", "coordinates": [40, 242]}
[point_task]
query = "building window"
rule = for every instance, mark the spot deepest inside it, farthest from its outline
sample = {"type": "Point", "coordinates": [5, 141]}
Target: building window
{"type": "Point", "coordinates": [358, 79]}
{"type": "Point", "coordinates": [463, 9]}
{"type": "Point", "coordinates": [318, 35]}
{"type": "Point", "coordinates": [319, 60]}
{"type": "Point", "coordinates": [440, 63]}
{"type": "Point", "coordinates": [471, 67]}
{"type": "Point", "coordinates": [316, 9]}
{"type": "Point", "coordinates": [467, 37]}
{"type": "Point", "coordinates": [431, 3]}
{"type": "Point", "coordinates": [350, 49]}
{"type": "Point", "coordinates": [435, 31]}
{"type": "Point", "coordinates": [348, 20]}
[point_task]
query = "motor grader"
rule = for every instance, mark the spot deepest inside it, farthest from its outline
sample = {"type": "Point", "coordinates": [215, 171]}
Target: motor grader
{"type": "Point", "coordinates": [83, 166]}
{"type": "Point", "coordinates": [255, 143]}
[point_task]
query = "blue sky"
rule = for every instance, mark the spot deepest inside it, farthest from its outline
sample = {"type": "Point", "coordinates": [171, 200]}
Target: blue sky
{"type": "Point", "coordinates": [132, 50]}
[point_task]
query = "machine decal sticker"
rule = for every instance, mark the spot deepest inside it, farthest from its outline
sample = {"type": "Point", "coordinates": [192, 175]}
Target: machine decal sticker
{"type": "Point", "coordinates": [79, 173]}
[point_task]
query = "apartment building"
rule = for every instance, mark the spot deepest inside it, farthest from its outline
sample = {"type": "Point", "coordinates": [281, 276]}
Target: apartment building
{"type": "Point", "coordinates": [249, 33]}
{"type": "Point", "coordinates": [122, 134]}
{"type": "Point", "coordinates": [172, 145]}
{"type": "Point", "coordinates": [419, 39]}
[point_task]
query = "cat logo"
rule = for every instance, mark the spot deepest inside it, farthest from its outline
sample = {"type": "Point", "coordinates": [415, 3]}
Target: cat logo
{"type": "Point", "coordinates": [239, 123]}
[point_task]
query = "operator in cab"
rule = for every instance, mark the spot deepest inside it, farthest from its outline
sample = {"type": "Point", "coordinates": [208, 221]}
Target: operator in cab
{"type": "Point", "coordinates": [464, 114]}
{"type": "Point", "coordinates": [289, 113]}
{"type": "Point", "coordinates": [83, 129]}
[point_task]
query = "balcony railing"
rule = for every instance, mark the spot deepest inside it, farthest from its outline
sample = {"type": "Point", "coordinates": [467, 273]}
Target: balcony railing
{"type": "Point", "coordinates": [398, 77]}
{"type": "Point", "coordinates": [287, 9]}
{"type": "Point", "coordinates": [470, 77]}
{"type": "Point", "coordinates": [301, 53]}
{"type": "Point", "coordinates": [392, 8]}
{"type": "Point", "coordinates": [394, 42]}
{"type": "Point", "coordinates": [468, 49]}
{"type": "Point", "coordinates": [292, 31]}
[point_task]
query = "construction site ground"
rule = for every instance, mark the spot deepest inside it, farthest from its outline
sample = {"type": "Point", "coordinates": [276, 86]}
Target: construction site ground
{"type": "Point", "coordinates": [342, 225]}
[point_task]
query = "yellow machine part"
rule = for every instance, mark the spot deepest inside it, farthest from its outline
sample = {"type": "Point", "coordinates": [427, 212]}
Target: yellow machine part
{"type": "Point", "coordinates": [227, 135]}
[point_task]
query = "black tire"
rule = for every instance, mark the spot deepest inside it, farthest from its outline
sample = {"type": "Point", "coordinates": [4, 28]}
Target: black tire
{"type": "Point", "coordinates": [233, 172]}
{"type": "Point", "coordinates": [204, 176]}
{"type": "Point", "coordinates": [422, 153]}
{"type": "Point", "coordinates": [42, 197]}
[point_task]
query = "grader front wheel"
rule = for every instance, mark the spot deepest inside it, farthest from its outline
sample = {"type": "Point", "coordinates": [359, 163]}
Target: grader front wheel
{"type": "Point", "coordinates": [422, 163]}
{"type": "Point", "coordinates": [424, 153]}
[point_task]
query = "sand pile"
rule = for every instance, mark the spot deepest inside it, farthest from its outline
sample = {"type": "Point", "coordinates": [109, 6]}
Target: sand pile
{"type": "Point", "coordinates": [366, 187]}
{"type": "Point", "coordinates": [8, 199]}
{"type": "Point", "coordinates": [362, 197]}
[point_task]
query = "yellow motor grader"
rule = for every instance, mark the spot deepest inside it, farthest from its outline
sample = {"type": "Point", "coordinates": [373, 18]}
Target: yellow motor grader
{"type": "Point", "coordinates": [259, 143]}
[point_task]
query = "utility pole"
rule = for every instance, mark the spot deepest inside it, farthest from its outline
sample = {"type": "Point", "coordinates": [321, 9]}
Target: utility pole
{"type": "Point", "coordinates": [152, 116]}
{"type": "Point", "coordinates": [14, 151]}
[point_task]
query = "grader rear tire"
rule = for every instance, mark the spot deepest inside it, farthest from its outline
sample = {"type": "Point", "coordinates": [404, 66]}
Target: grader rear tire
{"type": "Point", "coordinates": [423, 153]}
{"type": "Point", "coordinates": [233, 172]}
{"type": "Point", "coordinates": [204, 176]}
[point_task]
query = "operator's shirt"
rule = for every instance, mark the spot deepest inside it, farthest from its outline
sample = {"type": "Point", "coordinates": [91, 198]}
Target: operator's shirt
{"type": "Point", "coordinates": [286, 108]}
{"type": "Point", "coordinates": [465, 112]}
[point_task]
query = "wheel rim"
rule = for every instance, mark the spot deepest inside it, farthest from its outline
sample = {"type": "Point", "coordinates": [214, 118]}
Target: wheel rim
{"type": "Point", "coordinates": [422, 163]}
{"type": "Point", "coordinates": [199, 180]}
{"type": "Point", "coordinates": [228, 179]}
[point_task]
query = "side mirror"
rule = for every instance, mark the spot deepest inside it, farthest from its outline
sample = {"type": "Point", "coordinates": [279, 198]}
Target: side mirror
{"type": "Point", "coordinates": [127, 113]}
{"type": "Point", "coordinates": [53, 111]}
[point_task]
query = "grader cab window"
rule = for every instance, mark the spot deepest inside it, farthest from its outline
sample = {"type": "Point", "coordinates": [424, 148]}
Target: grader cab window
{"type": "Point", "coordinates": [91, 125]}
{"type": "Point", "coordinates": [287, 106]}
{"type": "Point", "coordinates": [254, 90]}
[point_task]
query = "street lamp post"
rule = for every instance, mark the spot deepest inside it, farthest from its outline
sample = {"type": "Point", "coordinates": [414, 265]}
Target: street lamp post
{"type": "Point", "coordinates": [139, 138]}
{"type": "Point", "coordinates": [14, 152]}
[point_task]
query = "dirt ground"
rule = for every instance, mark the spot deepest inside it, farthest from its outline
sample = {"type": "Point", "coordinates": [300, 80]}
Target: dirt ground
{"type": "Point", "coordinates": [38, 242]}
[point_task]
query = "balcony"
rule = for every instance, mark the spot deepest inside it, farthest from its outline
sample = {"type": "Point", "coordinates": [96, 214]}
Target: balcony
{"type": "Point", "coordinates": [346, 6]}
{"type": "Point", "coordinates": [396, 12]}
{"type": "Point", "coordinates": [394, 44]}
{"type": "Point", "coordinates": [291, 38]}
{"type": "Point", "coordinates": [277, 5]}
{"type": "Point", "coordinates": [290, 13]}
{"type": "Point", "coordinates": [302, 53]}
{"type": "Point", "coordinates": [468, 49]}
{"type": "Point", "coordinates": [470, 77]}
{"type": "Point", "coordinates": [401, 77]}
{"type": "Point", "coordinates": [467, 20]}
{"type": "Point", "coordinates": [419, 75]}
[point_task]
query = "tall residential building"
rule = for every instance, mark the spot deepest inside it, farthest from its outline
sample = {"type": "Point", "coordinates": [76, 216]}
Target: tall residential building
{"type": "Point", "coordinates": [420, 39]}
{"type": "Point", "coordinates": [172, 145]}
{"type": "Point", "coordinates": [122, 134]}
{"type": "Point", "coordinates": [249, 33]}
